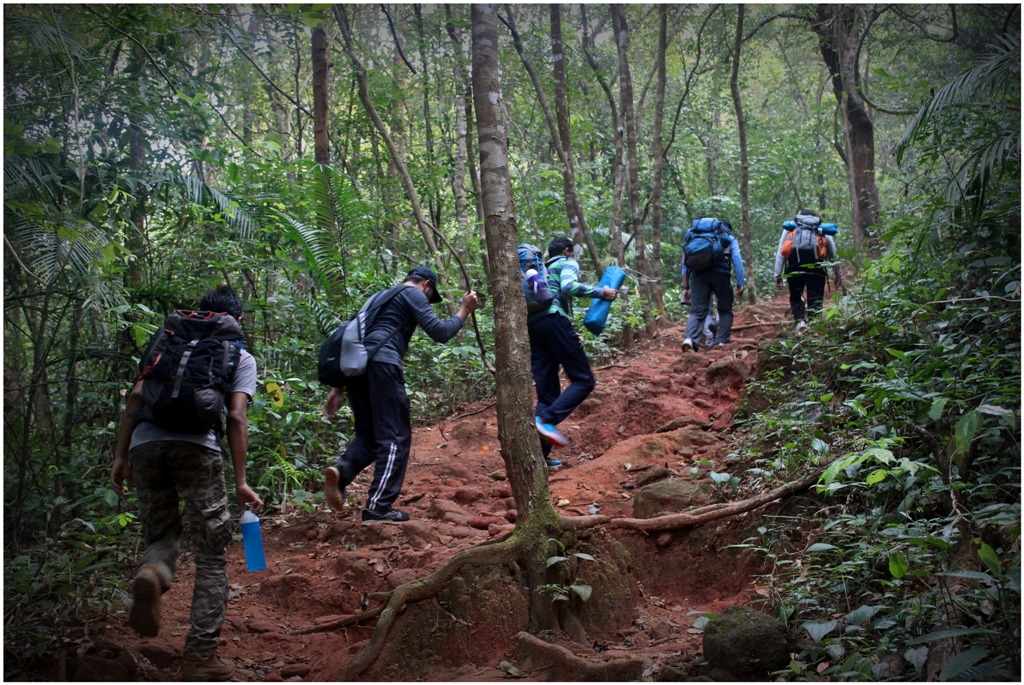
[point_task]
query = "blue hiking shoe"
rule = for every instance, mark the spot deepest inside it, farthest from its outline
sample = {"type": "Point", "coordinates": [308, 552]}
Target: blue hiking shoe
{"type": "Point", "coordinates": [551, 434]}
{"type": "Point", "coordinates": [553, 463]}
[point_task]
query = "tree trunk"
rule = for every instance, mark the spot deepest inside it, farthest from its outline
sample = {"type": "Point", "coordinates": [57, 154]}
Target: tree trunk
{"type": "Point", "coordinates": [658, 160]}
{"type": "Point", "coordinates": [434, 196]}
{"type": "Point", "coordinates": [520, 448]}
{"type": "Point", "coordinates": [576, 218]}
{"type": "Point", "coordinates": [747, 244]}
{"type": "Point", "coordinates": [840, 34]}
{"type": "Point", "coordinates": [321, 142]}
{"type": "Point", "coordinates": [621, 32]}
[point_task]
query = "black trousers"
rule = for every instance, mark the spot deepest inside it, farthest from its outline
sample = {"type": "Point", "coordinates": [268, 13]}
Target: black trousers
{"type": "Point", "coordinates": [380, 407]}
{"type": "Point", "coordinates": [813, 279]}
{"type": "Point", "coordinates": [554, 343]}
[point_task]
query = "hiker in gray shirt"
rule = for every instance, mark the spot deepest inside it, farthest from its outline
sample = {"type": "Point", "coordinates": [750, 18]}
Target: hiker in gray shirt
{"type": "Point", "coordinates": [379, 403]}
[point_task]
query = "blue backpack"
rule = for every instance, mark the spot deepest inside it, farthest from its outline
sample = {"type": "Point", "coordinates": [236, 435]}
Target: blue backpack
{"type": "Point", "coordinates": [534, 275]}
{"type": "Point", "coordinates": [705, 244]}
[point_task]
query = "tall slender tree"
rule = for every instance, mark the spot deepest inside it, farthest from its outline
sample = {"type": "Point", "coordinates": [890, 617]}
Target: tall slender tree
{"type": "Point", "coordinates": [747, 242]}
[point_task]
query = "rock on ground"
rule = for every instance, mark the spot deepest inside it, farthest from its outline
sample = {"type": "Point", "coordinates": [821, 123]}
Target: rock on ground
{"type": "Point", "coordinates": [741, 643]}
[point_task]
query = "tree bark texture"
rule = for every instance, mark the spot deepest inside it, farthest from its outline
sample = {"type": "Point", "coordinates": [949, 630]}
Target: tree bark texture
{"type": "Point", "coordinates": [747, 242]}
{"type": "Point", "coordinates": [840, 34]}
{"type": "Point", "coordinates": [658, 158]}
{"type": "Point", "coordinates": [621, 33]}
{"type": "Point", "coordinates": [321, 141]}
{"type": "Point", "coordinates": [459, 171]}
{"type": "Point", "coordinates": [520, 448]}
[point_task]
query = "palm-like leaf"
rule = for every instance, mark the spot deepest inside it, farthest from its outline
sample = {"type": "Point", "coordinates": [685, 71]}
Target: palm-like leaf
{"type": "Point", "coordinates": [41, 34]}
{"type": "Point", "coordinates": [197, 192]}
{"type": "Point", "coordinates": [998, 75]}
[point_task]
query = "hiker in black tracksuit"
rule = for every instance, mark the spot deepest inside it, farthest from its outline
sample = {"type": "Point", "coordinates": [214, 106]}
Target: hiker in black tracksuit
{"type": "Point", "coordinates": [379, 403]}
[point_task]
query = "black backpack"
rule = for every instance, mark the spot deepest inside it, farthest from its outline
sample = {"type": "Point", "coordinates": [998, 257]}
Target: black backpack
{"type": "Point", "coordinates": [187, 370]}
{"type": "Point", "coordinates": [343, 356]}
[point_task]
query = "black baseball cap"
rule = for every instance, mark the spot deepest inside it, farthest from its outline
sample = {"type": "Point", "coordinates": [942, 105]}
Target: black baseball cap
{"type": "Point", "coordinates": [427, 273]}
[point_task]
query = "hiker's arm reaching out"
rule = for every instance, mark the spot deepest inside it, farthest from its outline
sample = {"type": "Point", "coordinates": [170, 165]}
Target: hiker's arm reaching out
{"type": "Point", "coordinates": [120, 471]}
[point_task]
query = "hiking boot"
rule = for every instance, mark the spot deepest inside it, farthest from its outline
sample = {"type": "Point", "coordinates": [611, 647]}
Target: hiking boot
{"type": "Point", "coordinates": [211, 668]}
{"type": "Point", "coordinates": [551, 434]}
{"type": "Point", "coordinates": [334, 494]}
{"type": "Point", "coordinates": [389, 516]}
{"type": "Point", "coordinates": [144, 615]}
{"type": "Point", "coordinates": [689, 345]}
{"type": "Point", "coordinates": [553, 463]}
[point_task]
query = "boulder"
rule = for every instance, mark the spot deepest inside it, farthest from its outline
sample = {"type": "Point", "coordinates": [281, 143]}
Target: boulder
{"type": "Point", "coordinates": [682, 422]}
{"type": "Point", "coordinates": [440, 507]}
{"type": "Point", "coordinates": [483, 522]}
{"type": "Point", "coordinates": [421, 530]}
{"type": "Point", "coordinates": [728, 372]}
{"type": "Point", "coordinates": [652, 476]}
{"type": "Point", "coordinates": [670, 496]}
{"type": "Point", "coordinates": [467, 495]}
{"type": "Point", "coordinates": [467, 431]}
{"type": "Point", "coordinates": [744, 644]}
{"type": "Point", "coordinates": [399, 577]}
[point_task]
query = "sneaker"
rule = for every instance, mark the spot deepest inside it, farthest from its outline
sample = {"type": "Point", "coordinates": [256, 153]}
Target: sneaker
{"type": "Point", "coordinates": [689, 345]}
{"type": "Point", "coordinates": [144, 615]}
{"type": "Point", "coordinates": [335, 495]}
{"type": "Point", "coordinates": [211, 668]}
{"type": "Point", "coordinates": [553, 463]}
{"type": "Point", "coordinates": [801, 324]}
{"type": "Point", "coordinates": [389, 516]}
{"type": "Point", "coordinates": [551, 434]}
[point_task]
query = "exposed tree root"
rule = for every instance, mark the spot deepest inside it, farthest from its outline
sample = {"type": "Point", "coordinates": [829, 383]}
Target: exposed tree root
{"type": "Point", "coordinates": [506, 552]}
{"type": "Point", "coordinates": [339, 623]}
{"type": "Point", "coordinates": [713, 512]}
{"type": "Point", "coordinates": [496, 554]}
{"type": "Point", "coordinates": [569, 667]}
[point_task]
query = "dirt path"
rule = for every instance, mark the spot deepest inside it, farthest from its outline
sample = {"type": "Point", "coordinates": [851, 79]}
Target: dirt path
{"type": "Point", "coordinates": [323, 566]}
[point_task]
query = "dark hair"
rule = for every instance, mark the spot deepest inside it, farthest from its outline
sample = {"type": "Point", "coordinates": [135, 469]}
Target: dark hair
{"type": "Point", "coordinates": [415, 279]}
{"type": "Point", "coordinates": [222, 299]}
{"type": "Point", "coordinates": [558, 246]}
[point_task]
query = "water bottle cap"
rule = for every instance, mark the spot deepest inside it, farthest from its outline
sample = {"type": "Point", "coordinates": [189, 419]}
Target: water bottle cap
{"type": "Point", "coordinates": [249, 517]}
{"type": "Point", "coordinates": [530, 273]}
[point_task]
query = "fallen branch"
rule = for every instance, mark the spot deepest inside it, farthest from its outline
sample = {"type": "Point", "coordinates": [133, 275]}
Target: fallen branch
{"type": "Point", "coordinates": [713, 512]}
{"type": "Point", "coordinates": [339, 623]}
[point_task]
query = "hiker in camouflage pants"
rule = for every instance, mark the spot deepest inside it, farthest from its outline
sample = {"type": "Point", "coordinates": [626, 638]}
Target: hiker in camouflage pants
{"type": "Point", "coordinates": [167, 465]}
{"type": "Point", "coordinates": [163, 473]}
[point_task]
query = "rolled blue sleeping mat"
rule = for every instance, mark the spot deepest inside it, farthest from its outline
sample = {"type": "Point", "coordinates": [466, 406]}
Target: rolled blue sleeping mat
{"type": "Point", "coordinates": [597, 315]}
{"type": "Point", "coordinates": [829, 229]}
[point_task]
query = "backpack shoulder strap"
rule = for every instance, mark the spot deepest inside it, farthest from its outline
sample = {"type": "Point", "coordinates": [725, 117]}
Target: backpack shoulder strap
{"type": "Point", "coordinates": [385, 297]}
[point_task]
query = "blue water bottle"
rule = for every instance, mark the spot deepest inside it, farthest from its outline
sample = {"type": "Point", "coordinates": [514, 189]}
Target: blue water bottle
{"type": "Point", "coordinates": [597, 315]}
{"type": "Point", "coordinates": [255, 559]}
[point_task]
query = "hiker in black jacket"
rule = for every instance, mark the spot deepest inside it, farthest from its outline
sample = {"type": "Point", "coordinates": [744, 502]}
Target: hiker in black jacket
{"type": "Point", "coordinates": [378, 400]}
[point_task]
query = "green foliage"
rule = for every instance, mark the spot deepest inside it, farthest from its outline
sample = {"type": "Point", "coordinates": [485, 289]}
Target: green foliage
{"type": "Point", "coordinates": [572, 586]}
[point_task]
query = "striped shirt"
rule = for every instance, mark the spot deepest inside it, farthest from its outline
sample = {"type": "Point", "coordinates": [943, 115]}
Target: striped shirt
{"type": "Point", "coordinates": [563, 279]}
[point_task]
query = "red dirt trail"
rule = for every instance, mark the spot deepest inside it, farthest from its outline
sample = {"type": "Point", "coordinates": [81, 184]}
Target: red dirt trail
{"type": "Point", "coordinates": [325, 565]}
